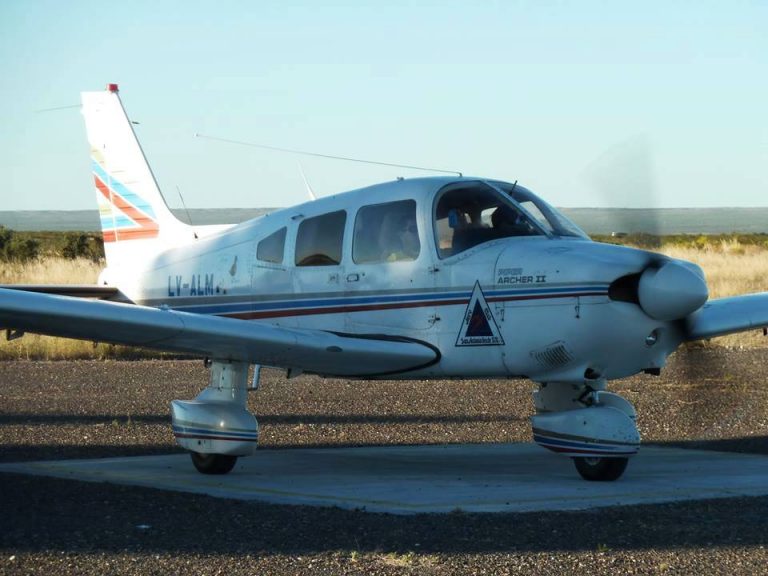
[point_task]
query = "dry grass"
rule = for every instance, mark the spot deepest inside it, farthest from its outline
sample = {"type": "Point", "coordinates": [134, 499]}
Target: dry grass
{"type": "Point", "coordinates": [54, 271]}
{"type": "Point", "coordinates": [731, 268]}
{"type": "Point", "coordinates": [50, 271]}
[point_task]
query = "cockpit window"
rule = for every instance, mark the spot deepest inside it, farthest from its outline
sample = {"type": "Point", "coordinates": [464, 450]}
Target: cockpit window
{"type": "Point", "coordinates": [471, 214]}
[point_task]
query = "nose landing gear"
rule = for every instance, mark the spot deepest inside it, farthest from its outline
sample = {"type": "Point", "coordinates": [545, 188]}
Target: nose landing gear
{"type": "Point", "coordinates": [213, 463]}
{"type": "Point", "coordinates": [595, 428]}
{"type": "Point", "coordinates": [601, 469]}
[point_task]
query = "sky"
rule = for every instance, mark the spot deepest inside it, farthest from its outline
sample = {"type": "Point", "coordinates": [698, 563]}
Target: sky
{"type": "Point", "coordinates": [587, 103]}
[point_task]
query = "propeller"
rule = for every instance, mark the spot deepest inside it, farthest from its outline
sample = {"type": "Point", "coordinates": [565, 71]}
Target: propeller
{"type": "Point", "coordinates": [623, 178]}
{"type": "Point", "coordinates": [708, 399]}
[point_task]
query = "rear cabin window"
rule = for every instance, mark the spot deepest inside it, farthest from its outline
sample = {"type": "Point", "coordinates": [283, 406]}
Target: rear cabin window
{"type": "Point", "coordinates": [320, 239]}
{"type": "Point", "coordinates": [272, 247]}
{"type": "Point", "coordinates": [386, 233]}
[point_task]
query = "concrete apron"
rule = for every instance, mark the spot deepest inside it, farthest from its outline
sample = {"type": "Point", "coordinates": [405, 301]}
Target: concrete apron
{"type": "Point", "coordinates": [421, 479]}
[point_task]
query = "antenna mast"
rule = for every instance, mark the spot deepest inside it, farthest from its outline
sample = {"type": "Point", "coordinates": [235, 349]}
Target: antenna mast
{"type": "Point", "coordinates": [186, 210]}
{"type": "Point", "coordinates": [329, 156]}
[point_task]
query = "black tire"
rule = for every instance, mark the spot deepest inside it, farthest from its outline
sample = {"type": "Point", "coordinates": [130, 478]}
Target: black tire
{"type": "Point", "coordinates": [213, 463]}
{"type": "Point", "coordinates": [601, 469]}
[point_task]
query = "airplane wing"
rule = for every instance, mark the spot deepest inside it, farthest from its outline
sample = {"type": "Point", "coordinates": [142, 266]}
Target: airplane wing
{"type": "Point", "coordinates": [313, 351]}
{"type": "Point", "coordinates": [728, 315]}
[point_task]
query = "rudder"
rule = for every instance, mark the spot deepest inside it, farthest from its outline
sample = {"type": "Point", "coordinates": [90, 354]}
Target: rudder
{"type": "Point", "coordinates": [135, 220]}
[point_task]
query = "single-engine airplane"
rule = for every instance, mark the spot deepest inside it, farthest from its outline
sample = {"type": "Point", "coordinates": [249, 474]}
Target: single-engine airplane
{"type": "Point", "coordinates": [424, 278]}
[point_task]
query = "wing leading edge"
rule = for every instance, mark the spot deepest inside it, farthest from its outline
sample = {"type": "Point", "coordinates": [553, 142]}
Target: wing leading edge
{"type": "Point", "coordinates": [728, 315]}
{"type": "Point", "coordinates": [313, 351]}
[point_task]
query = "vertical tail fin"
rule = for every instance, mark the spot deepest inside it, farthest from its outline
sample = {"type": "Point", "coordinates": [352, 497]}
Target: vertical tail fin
{"type": "Point", "coordinates": [135, 220]}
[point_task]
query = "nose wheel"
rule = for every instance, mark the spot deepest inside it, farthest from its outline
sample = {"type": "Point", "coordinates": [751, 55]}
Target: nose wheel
{"type": "Point", "coordinates": [601, 469]}
{"type": "Point", "coordinates": [213, 463]}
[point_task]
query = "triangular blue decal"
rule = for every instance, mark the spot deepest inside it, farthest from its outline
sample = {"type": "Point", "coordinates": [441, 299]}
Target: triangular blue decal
{"type": "Point", "coordinates": [478, 327]}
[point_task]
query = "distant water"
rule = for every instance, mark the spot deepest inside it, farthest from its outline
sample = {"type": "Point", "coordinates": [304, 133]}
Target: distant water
{"type": "Point", "coordinates": [592, 220]}
{"type": "Point", "coordinates": [670, 220]}
{"type": "Point", "coordinates": [88, 220]}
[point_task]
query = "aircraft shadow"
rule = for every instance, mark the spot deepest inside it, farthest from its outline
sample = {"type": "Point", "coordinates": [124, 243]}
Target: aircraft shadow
{"type": "Point", "coordinates": [33, 452]}
{"type": "Point", "coordinates": [11, 419]}
{"type": "Point", "coordinates": [120, 419]}
{"type": "Point", "coordinates": [128, 429]}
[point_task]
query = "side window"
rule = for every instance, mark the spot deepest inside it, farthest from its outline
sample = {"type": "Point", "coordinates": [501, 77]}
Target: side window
{"type": "Point", "coordinates": [319, 240]}
{"type": "Point", "coordinates": [386, 233]}
{"type": "Point", "coordinates": [271, 248]}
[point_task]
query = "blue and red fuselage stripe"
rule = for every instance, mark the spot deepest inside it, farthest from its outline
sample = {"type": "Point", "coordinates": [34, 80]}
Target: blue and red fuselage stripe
{"type": "Point", "coordinates": [248, 309]}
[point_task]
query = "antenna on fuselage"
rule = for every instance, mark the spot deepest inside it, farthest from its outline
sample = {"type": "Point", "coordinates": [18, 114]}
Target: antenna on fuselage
{"type": "Point", "coordinates": [311, 192]}
{"type": "Point", "coordinates": [328, 156]}
{"type": "Point", "coordinates": [186, 210]}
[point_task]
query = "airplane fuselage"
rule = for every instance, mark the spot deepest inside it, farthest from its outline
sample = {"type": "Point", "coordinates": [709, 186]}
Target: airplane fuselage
{"type": "Point", "coordinates": [532, 306]}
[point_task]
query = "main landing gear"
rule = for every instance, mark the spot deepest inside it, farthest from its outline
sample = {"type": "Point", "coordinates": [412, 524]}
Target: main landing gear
{"type": "Point", "coordinates": [216, 427]}
{"type": "Point", "coordinates": [594, 427]}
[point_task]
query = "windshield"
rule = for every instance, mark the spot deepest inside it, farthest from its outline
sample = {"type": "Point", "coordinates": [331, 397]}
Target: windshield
{"type": "Point", "coordinates": [553, 221]}
{"type": "Point", "coordinates": [472, 213]}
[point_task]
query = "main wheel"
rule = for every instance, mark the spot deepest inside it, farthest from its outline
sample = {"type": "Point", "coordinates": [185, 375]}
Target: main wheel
{"type": "Point", "coordinates": [601, 469]}
{"type": "Point", "coordinates": [213, 463]}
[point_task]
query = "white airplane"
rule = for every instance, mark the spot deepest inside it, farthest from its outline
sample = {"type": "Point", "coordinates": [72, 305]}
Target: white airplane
{"type": "Point", "coordinates": [440, 277]}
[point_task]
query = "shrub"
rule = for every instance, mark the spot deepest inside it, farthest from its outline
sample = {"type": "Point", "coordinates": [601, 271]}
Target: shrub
{"type": "Point", "coordinates": [5, 241]}
{"type": "Point", "coordinates": [13, 248]}
{"type": "Point", "coordinates": [82, 245]}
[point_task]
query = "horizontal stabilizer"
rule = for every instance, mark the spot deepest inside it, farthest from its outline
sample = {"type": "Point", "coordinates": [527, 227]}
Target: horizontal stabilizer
{"type": "Point", "coordinates": [75, 290]}
{"type": "Point", "coordinates": [728, 315]}
{"type": "Point", "coordinates": [219, 338]}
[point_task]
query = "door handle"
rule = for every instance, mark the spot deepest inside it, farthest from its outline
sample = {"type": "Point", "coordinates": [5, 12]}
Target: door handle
{"type": "Point", "coordinates": [353, 277]}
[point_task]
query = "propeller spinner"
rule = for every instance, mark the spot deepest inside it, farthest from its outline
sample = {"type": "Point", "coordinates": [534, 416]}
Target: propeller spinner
{"type": "Point", "coordinates": [672, 291]}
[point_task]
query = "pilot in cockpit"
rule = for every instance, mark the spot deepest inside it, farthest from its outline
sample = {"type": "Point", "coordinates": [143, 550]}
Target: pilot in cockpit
{"type": "Point", "coordinates": [508, 221]}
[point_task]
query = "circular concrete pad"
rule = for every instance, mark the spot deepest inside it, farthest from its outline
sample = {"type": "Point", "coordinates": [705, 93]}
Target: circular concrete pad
{"type": "Point", "coordinates": [417, 479]}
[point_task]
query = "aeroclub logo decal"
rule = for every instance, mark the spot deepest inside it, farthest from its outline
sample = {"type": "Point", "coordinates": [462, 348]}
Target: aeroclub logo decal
{"type": "Point", "coordinates": [478, 327]}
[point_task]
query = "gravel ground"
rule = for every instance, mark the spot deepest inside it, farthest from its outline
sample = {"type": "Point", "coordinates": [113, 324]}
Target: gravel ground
{"type": "Point", "coordinates": [708, 398]}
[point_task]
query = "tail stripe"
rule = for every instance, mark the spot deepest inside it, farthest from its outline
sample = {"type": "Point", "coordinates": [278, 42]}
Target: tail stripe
{"type": "Point", "coordinates": [134, 218]}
